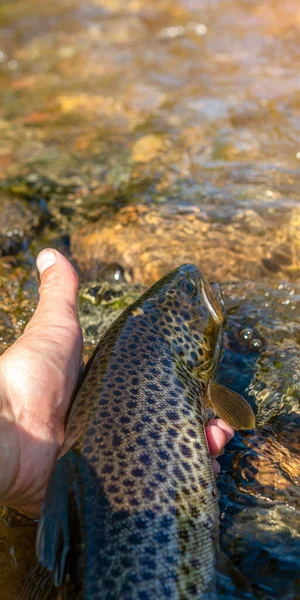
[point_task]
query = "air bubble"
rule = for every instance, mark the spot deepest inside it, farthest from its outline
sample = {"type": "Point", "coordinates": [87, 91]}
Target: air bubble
{"type": "Point", "coordinates": [172, 32]}
{"type": "Point", "coordinates": [256, 343]}
{"type": "Point", "coordinates": [246, 333]}
{"type": "Point", "coordinates": [200, 29]}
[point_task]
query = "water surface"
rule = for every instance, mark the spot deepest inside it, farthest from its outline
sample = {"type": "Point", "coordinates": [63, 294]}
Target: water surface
{"type": "Point", "coordinates": [142, 134]}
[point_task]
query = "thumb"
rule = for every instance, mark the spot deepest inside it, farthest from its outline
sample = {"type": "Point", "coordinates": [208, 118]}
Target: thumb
{"type": "Point", "coordinates": [58, 287]}
{"type": "Point", "coordinates": [54, 328]}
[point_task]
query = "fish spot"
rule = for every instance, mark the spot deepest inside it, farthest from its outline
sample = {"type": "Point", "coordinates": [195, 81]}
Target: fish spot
{"type": "Point", "coordinates": [173, 415]}
{"type": "Point", "coordinates": [131, 448]}
{"type": "Point", "coordinates": [148, 493]}
{"type": "Point", "coordinates": [195, 512]}
{"type": "Point", "coordinates": [109, 583]}
{"type": "Point", "coordinates": [203, 482]}
{"type": "Point", "coordinates": [186, 569]}
{"type": "Point", "coordinates": [89, 449]}
{"type": "Point", "coordinates": [172, 401]}
{"type": "Point", "coordinates": [186, 466]}
{"type": "Point", "coordinates": [164, 455]}
{"type": "Point", "coordinates": [166, 331]}
{"type": "Point", "coordinates": [171, 493]}
{"type": "Point", "coordinates": [141, 523]}
{"type": "Point", "coordinates": [106, 469]}
{"type": "Point", "coordinates": [125, 419]}
{"type": "Point", "coordinates": [121, 515]}
{"type": "Point", "coordinates": [192, 433]}
{"type": "Point", "coordinates": [141, 441]}
{"type": "Point", "coordinates": [162, 465]}
{"type": "Point", "coordinates": [150, 514]}
{"type": "Point", "coordinates": [135, 539]}
{"type": "Point", "coordinates": [162, 537]}
{"type": "Point", "coordinates": [126, 561]}
{"type": "Point", "coordinates": [186, 450]}
{"type": "Point", "coordinates": [192, 589]}
{"type": "Point", "coordinates": [166, 521]}
{"type": "Point", "coordinates": [143, 595]}
{"type": "Point", "coordinates": [93, 459]}
{"type": "Point", "coordinates": [134, 502]}
{"type": "Point", "coordinates": [153, 387]}
{"type": "Point", "coordinates": [145, 458]}
{"type": "Point", "coordinates": [104, 414]}
{"type": "Point", "coordinates": [138, 427]}
{"type": "Point", "coordinates": [147, 562]}
{"type": "Point", "coordinates": [137, 472]}
{"type": "Point", "coordinates": [172, 432]}
{"type": "Point", "coordinates": [128, 482]}
{"type": "Point", "coordinates": [116, 440]}
{"type": "Point", "coordinates": [131, 404]}
{"type": "Point", "coordinates": [146, 418]}
{"type": "Point", "coordinates": [179, 474]}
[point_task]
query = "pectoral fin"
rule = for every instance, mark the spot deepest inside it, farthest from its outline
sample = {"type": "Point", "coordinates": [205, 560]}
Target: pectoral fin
{"type": "Point", "coordinates": [59, 525]}
{"type": "Point", "coordinates": [230, 406]}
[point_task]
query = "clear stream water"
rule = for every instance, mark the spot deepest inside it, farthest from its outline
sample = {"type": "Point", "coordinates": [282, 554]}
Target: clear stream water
{"type": "Point", "coordinates": [137, 135]}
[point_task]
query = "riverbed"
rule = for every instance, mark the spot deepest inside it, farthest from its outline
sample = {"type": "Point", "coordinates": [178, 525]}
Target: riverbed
{"type": "Point", "coordinates": [137, 135]}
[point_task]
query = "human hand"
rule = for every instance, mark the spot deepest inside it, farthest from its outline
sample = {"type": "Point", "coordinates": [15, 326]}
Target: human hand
{"type": "Point", "coordinates": [37, 376]}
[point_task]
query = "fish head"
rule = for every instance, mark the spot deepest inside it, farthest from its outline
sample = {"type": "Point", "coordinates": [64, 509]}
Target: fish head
{"type": "Point", "coordinates": [189, 314]}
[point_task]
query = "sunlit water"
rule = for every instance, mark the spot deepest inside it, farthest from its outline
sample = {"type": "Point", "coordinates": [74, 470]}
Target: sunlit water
{"type": "Point", "coordinates": [145, 134]}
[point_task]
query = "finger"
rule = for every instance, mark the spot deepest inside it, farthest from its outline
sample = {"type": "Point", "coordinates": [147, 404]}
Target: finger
{"type": "Point", "coordinates": [216, 439]}
{"type": "Point", "coordinates": [229, 431]}
{"type": "Point", "coordinates": [216, 466]}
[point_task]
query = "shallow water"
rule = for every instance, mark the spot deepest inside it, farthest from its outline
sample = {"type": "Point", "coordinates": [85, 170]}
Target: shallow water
{"type": "Point", "coordinates": [145, 134]}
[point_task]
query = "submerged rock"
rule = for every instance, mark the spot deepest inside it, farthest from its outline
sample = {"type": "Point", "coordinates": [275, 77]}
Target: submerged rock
{"type": "Point", "coordinates": [18, 298]}
{"type": "Point", "coordinates": [100, 303]}
{"type": "Point", "coordinates": [19, 222]}
{"type": "Point", "coordinates": [226, 243]}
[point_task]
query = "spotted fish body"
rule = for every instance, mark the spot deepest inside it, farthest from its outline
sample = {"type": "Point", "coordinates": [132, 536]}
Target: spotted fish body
{"type": "Point", "coordinates": [131, 509]}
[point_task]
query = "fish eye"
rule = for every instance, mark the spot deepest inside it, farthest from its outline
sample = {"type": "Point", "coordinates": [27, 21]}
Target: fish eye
{"type": "Point", "coordinates": [189, 287]}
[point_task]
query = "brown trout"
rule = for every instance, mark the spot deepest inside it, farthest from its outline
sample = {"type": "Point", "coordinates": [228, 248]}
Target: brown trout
{"type": "Point", "coordinates": [131, 510]}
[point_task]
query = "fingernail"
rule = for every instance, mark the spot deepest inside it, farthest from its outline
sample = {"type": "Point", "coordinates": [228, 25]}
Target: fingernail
{"type": "Point", "coordinates": [45, 259]}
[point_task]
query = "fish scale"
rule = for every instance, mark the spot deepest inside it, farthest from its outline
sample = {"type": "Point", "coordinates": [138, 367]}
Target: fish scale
{"type": "Point", "coordinates": [131, 509]}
